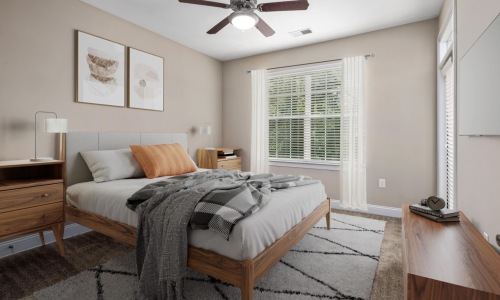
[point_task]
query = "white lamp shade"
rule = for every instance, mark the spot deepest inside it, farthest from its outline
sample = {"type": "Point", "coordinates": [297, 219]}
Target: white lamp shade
{"type": "Point", "coordinates": [56, 125]}
{"type": "Point", "coordinates": [243, 20]}
{"type": "Point", "coordinates": [208, 129]}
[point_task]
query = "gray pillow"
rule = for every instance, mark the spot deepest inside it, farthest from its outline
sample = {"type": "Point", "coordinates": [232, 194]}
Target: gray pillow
{"type": "Point", "coordinates": [107, 165]}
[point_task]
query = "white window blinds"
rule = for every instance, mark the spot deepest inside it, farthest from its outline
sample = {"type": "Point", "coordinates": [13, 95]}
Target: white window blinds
{"type": "Point", "coordinates": [446, 108]}
{"type": "Point", "coordinates": [450, 131]}
{"type": "Point", "coordinates": [304, 114]}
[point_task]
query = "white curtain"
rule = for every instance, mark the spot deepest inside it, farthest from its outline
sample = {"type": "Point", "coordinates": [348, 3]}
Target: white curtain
{"type": "Point", "coordinates": [353, 135]}
{"type": "Point", "coordinates": [259, 157]}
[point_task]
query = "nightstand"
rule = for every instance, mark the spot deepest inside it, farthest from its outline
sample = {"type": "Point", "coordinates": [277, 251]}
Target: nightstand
{"type": "Point", "coordinates": [219, 158]}
{"type": "Point", "coordinates": [31, 199]}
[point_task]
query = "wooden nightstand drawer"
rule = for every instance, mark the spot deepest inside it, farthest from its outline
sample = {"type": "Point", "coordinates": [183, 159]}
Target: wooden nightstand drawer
{"type": "Point", "coordinates": [29, 218]}
{"type": "Point", "coordinates": [229, 164]}
{"type": "Point", "coordinates": [29, 197]}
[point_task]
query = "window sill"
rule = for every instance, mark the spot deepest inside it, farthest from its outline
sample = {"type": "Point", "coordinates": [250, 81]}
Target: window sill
{"type": "Point", "coordinates": [304, 165]}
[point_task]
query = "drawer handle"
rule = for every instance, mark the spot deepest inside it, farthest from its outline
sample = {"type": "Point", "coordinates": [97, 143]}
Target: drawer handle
{"type": "Point", "coordinates": [45, 195]}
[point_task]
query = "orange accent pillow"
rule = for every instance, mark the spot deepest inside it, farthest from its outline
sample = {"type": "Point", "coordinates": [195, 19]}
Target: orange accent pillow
{"type": "Point", "coordinates": [163, 160]}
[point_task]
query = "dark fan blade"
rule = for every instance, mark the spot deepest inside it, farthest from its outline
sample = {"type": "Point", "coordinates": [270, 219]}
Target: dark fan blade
{"type": "Point", "coordinates": [265, 29]}
{"type": "Point", "coordinates": [282, 6]}
{"type": "Point", "coordinates": [219, 26]}
{"type": "Point", "coordinates": [207, 3]}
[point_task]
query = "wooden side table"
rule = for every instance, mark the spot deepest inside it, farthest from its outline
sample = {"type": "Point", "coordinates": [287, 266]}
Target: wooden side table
{"type": "Point", "coordinates": [447, 260]}
{"type": "Point", "coordinates": [219, 158]}
{"type": "Point", "coordinates": [31, 199]}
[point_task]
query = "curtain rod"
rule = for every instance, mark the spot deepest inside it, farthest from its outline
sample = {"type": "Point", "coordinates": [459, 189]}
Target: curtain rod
{"type": "Point", "coordinates": [316, 62]}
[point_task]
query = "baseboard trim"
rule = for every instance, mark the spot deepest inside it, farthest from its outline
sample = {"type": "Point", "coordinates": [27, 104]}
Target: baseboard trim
{"type": "Point", "coordinates": [33, 240]}
{"type": "Point", "coordinates": [372, 209]}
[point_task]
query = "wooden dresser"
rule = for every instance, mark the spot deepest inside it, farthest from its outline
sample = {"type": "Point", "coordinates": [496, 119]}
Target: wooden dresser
{"type": "Point", "coordinates": [31, 198]}
{"type": "Point", "coordinates": [214, 158]}
{"type": "Point", "coordinates": [447, 260]}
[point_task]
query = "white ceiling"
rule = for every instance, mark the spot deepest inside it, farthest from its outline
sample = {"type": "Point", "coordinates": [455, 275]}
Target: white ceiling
{"type": "Point", "coordinates": [187, 24]}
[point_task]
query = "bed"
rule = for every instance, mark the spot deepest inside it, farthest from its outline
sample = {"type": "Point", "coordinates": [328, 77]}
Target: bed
{"type": "Point", "coordinates": [238, 264]}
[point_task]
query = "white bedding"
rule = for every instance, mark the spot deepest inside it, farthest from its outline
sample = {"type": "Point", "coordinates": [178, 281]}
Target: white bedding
{"type": "Point", "coordinates": [248, 238]}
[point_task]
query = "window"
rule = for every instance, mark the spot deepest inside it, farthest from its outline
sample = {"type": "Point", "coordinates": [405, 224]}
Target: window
{"type": "Point", "coordinates": [304, 114]}
{"type": "Point", "coordinates": [446, 121]}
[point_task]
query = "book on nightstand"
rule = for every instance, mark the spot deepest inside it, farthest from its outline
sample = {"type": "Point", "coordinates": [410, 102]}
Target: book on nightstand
{"type": "Point", "coordinates": [442, 213]}
{"type": "Point", "coordinates": [436, 219]}
{"type": "Point", "coordinates": [225, 152]}
{"type": "Point", "coordinates": [226, 156]}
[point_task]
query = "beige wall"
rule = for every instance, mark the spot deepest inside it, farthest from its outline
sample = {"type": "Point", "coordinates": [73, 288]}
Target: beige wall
{"type": "Point", "coordinates": [401, 97]}
{"type": "Point", "coordinates": [37, 56]}
{"type": "Point", "coordinates": [478, 160]}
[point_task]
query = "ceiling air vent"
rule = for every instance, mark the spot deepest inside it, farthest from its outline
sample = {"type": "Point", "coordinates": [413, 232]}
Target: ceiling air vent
{"type": "Point", "coordinates": [300, 32]}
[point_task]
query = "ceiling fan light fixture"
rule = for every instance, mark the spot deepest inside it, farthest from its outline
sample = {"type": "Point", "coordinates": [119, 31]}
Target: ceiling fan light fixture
{"type": "Point", "coordinates": [243, 20]}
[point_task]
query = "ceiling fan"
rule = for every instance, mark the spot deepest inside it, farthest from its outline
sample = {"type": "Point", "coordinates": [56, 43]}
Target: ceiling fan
{"type": "Point", "coordinates": [244, 17]}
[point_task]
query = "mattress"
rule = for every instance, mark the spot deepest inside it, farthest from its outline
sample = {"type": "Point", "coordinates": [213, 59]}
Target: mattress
{"type": "Point", "coordinates": [249, 237]}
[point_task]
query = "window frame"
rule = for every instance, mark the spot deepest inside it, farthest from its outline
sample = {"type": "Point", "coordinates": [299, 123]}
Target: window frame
{"type": "Point", "coordinates": [306, 163]}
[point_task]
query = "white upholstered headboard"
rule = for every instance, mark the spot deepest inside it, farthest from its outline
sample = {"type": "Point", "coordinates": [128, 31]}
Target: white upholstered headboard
{"type": "Point", "coordinates": [76, 142]}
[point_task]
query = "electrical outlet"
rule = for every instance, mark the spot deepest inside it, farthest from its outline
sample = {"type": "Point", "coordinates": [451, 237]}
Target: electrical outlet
{"type": "Point", "coordinates": [381, 183]}
{"type": "Point", "coordinates": [486, 236]}
{"type": "Point", "coordinates": [498, 240]}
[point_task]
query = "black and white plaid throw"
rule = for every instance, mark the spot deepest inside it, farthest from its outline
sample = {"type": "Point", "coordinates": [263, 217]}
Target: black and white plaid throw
{"type": "Point", "coordinates": [220, 210]}
{"type": "Point", "coordinates": [219, 199]}
{"type": "Point", "coordinates": [222, 207]}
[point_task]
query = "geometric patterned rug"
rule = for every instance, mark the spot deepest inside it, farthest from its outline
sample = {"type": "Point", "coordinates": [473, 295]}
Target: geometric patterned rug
{"type": "Point", "coordinates": [335, 264]}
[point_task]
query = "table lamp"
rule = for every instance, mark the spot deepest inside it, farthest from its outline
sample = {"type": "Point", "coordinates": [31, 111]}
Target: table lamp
{"type": "Point", "coordinates": [52, 126]}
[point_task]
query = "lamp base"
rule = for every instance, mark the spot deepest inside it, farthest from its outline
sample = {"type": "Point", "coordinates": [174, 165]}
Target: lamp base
{"type": "Point", "coordinates": [41, 159]}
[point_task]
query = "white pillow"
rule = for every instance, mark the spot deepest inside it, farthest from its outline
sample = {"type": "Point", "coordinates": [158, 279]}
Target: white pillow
{"type": "Point", "coordinates": [109, 165]}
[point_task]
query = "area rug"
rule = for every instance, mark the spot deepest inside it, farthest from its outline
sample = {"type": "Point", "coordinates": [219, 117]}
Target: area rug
{"type": "Point", "coordinates": [335, 264]}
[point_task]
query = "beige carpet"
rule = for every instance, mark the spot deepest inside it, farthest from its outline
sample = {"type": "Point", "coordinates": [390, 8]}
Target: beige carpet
{"type": "Point", "coordinates": [326, 264]}
{"type": "Point", "coordinates": [24, 273]}
{"type": "Point", "coordinates": [388, 283]}
{"type": "Point", "coordinates": [389, 276]}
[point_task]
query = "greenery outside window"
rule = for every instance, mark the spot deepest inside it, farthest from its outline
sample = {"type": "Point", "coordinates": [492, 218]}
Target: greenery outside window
{"type": "Point", "coordinates": [304, 114]}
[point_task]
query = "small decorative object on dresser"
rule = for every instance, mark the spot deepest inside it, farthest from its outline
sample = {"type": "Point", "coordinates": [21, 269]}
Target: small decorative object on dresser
{"type": "Point", "coordinates": [219, 158]}
{"type": "Point", "coordinates": [433, 202]}
{"type": "Point", "coordinates": [31, 198]}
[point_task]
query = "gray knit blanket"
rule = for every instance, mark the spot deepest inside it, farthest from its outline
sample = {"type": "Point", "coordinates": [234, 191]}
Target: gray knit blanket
{"type": "Point", "coordinates": [166, 208]}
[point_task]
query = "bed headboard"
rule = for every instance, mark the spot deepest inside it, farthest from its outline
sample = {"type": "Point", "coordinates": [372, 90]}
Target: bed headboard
{"type": "Point", "coordinates": [76, 142]}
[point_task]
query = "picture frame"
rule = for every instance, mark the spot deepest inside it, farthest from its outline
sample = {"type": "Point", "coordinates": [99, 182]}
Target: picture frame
{"type": "Point", "coordinates": [145, 80]}
{"type": "Point", "coordinates": [100, 70]}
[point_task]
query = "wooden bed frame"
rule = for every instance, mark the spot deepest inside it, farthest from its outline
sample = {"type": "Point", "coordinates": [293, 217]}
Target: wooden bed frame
{"type": "Point", "coordinates": [243, 274]}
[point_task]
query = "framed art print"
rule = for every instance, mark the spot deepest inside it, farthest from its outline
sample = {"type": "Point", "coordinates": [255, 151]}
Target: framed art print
{"type": "Point", "coordinates": [145, 80]}
{"type": "Point", "coordinates": [100, 71]}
